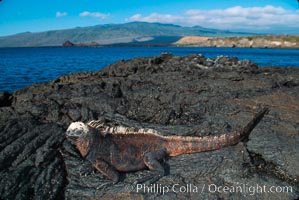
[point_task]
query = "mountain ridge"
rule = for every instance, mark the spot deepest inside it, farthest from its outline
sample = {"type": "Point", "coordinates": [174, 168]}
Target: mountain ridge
{"type": "Point", "coordinates": [109, 34]}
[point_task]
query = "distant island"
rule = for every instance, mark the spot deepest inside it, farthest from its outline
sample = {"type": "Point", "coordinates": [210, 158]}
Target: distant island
{"type": "Point", "coordinates": [147, 34]}
{"type": "Point", "coordinates": [70, 44]}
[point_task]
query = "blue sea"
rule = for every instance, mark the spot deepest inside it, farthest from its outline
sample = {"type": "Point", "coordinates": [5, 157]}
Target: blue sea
{"type": "Point", "coordinates": [21, 67]}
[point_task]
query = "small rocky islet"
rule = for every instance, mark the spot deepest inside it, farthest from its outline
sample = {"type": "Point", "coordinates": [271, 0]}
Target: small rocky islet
{"type": "Point", "coordinates": [188, 96]}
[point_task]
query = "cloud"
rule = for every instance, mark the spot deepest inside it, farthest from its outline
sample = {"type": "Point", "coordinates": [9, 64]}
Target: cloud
{"type": "Point", "coordinates": [234, 18]}
{"type": "Point", "coordinates": [155, 17]}
{"type": "Point", "coordinates": [94, 14]}
{"type": "Point", "coordinates": [61, 14]}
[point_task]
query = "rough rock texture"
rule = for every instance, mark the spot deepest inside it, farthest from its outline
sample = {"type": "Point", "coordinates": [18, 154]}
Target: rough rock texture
{"type": "Point", "coordinates": [184, 96]}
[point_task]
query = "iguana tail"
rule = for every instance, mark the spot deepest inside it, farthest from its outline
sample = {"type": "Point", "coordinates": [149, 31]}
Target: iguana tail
{"type": "Point", "coordinates": [176, 145]}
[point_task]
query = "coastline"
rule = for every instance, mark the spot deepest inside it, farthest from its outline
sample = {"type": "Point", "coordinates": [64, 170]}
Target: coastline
{"type": "Point", "coordinates": [270, 41]}
{"type": "Point", "coordinates": [36, 65]}
{"type": "Point", "coordinates": [255, 41]}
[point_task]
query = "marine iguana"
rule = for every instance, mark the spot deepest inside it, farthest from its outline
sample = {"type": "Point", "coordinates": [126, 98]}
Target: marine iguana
{"type": "Point", "coordinates": [120, 149]}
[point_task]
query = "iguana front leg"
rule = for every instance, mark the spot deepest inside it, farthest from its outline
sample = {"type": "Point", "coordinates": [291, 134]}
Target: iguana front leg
{"type": "Point", "coordinates": [106, 170]}
{"type": "Point", "coordinates": [151, 160]}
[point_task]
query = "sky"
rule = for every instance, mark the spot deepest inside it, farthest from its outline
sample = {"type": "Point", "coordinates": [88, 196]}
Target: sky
{"type": "Point", "coordinates": [260, 16]}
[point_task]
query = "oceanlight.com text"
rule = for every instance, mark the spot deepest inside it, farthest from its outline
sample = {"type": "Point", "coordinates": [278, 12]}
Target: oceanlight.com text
{"type": "Point", "coordinates": [211, 188]}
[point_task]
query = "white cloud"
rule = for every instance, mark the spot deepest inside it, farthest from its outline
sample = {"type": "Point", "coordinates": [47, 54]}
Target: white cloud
{"type": "Point", "coordinates": [155, 17]}
{"type": "Point", "coordinates": [234, 18]}
{"type": "Point", "coordinates": [61, 14]}
{"type": "Point", "coordinates": [94, 14]}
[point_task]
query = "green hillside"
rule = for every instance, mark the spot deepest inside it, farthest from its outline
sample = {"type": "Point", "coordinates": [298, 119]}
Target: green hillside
{"type": "Point", "coordinates": [111, 34]}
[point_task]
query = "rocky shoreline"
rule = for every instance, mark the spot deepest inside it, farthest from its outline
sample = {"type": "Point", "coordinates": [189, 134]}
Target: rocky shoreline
{"type": "Point", "coordinates": [271, 41]}
{"type": "Point", "coordinates": [189, 96]}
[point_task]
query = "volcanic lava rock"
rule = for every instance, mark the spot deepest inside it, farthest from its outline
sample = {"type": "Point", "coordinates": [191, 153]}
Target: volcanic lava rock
{"type": "Point", "coordinates": [187, 96]}
{"type": "Point", "coordinates": [5, 99]}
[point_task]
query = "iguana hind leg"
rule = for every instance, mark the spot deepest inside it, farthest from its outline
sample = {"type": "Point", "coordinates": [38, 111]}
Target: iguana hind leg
{"type": "Point", "coordinates": [107, 170]}
{"type": "Point", "coordinates": [157, 171]}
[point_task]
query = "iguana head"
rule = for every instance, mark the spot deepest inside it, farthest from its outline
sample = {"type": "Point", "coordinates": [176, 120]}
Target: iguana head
{"type": "Point", "coordinates": [77, 129]}
{"type": "Point", "coordinates": [77, 133]}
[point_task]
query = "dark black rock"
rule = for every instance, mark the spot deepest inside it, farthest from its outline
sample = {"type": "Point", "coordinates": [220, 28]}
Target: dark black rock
{"type": "Point", "coordinates": [187, 96]}
{"type": "Point", "coordinates": [31, 165]}
{"type": "Point", "coordinates": [5, 99]}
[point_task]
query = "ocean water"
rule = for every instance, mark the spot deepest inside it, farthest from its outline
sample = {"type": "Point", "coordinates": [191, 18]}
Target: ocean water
{"type": "Point", "coordinates": [21, 67]}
